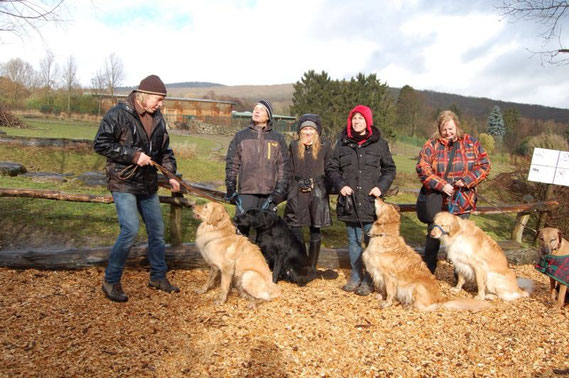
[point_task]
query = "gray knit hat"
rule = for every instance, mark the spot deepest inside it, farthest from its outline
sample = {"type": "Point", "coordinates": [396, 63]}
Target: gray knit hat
{"type": "Point", "coordinates": [268, 107]}
{"type": "Point", "coordinates": [152, 85]}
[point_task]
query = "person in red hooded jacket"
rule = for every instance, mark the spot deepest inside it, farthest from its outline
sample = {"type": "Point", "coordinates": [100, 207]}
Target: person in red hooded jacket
{"type": "Point", "coordinates": [360, 169]}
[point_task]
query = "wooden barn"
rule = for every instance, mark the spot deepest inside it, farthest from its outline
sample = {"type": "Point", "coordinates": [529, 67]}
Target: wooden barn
{"type": "Point", "coordinates": [181, 109]}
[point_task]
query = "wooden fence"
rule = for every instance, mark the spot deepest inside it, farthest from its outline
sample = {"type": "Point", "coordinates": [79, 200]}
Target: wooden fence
{"type": "Point", "coordinates": [186, 255]}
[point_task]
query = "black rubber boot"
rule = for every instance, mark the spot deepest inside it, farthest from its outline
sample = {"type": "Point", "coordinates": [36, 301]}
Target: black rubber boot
{"type": "Point", "coordinates": [314, 252]}
{"type": "Point", "coordinates": [431, 251]}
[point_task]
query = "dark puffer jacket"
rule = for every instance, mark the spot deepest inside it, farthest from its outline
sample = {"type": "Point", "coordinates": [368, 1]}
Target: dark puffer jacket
{"type": "Point", "coordinates": [257, 161]}
{"type": "Point", "coordinates": [308, 208]}
{"type": "Point", "coordinates": [361, 167]}
{"type": "Point", "coordinates": [120, 135]}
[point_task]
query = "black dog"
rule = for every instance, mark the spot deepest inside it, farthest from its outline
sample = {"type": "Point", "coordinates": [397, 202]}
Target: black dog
{"type": "Point", "coordinates": [284, 253]}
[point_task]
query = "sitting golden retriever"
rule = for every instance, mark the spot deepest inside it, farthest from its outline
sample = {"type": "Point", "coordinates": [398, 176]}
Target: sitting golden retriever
{"type": "Point", "coordinates": [240, 261]}
{"type": "Point", "coordinates": [399, 270]}
{"type": "Point", "coordinates": [551, 242]}
{"type": "Point", "coordinates": [477, 257]}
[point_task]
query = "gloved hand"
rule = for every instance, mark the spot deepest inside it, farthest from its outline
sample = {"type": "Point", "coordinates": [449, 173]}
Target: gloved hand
{"type": "Point", "coordinates": [231, 196]}
{"type": "Point", "coordinates": [277, 198]}
{"type": "Point", "coordinates": [269, 204]}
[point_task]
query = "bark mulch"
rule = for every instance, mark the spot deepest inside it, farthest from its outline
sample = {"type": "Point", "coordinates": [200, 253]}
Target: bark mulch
{"type": "Point", "coordinates": [58, 323]}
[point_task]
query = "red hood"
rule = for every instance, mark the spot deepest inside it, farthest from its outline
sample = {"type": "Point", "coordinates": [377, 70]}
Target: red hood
{"type": "Point", "coordinates": [366, 113]}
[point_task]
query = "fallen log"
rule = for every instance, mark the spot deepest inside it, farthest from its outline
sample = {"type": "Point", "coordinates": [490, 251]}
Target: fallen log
{"type": "Point", "coordinates": [187, 256]}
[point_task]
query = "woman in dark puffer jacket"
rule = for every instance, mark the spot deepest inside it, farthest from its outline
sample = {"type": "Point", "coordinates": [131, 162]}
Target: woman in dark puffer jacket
{"type": "Point", "coordinates": [361, 169]}
{"type": "Point", "coordinates": [307, 202]}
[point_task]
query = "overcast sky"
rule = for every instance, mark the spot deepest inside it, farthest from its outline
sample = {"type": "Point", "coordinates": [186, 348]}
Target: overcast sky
{"type": "Point", "coordinates": [461, 47]}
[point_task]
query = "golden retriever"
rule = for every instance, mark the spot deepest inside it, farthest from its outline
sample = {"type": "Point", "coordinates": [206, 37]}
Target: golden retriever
{"type": "Point", "coordinates": [477, 257]}
{"type": "Point", "coordinates": [551, 242]}
{"type": "Point", "coordinates": [399, 271]}
{"type": "Point", "coordinates": [240, 261]}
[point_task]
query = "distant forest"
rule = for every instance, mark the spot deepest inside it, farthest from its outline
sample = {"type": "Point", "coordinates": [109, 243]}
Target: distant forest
{"type": "Point", "coordinates": [480, 107]}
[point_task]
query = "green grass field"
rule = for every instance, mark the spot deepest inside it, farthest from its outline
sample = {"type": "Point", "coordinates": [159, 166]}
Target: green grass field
{"type": "Point", "coordinates": [200, 159]}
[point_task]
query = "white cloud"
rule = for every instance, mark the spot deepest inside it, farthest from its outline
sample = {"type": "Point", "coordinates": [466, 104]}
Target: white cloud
{"type": "Point", "coordinates": [430, 45]}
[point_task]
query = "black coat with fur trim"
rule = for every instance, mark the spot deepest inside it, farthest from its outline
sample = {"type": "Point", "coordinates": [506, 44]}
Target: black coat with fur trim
{"type": "Point", "coordinates": [311, 208]}
{"type": "Point", "coordinates": [361, 167]}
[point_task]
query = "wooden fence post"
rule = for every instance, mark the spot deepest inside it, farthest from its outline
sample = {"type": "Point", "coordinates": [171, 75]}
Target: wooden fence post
{"type": "Point", "coordinates": [176, 222]}
{"type": "Point", "coordinates": [518, 231]}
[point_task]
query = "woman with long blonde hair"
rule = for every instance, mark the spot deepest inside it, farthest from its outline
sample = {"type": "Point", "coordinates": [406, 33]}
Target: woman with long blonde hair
{"type": "Point", "coordinates": [307, 202]}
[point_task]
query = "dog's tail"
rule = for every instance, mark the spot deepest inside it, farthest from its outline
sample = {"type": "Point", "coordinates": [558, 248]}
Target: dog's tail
{"type": "Point", "coordinates": [526, 284]}
{"type": "Point", "coordinates": [462, 304]}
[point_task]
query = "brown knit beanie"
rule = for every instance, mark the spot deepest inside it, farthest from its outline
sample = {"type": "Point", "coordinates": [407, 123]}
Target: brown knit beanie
{"type": "Point", "coordinates": [152, 85]}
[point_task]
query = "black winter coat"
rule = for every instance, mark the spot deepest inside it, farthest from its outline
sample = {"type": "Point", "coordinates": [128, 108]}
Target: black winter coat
{"type": "Point", "coordinates": [361, 167]}
{"type": "Point", "coordinates": [120, 135]}
{"type": "Point", "coordinates": [308, 208]}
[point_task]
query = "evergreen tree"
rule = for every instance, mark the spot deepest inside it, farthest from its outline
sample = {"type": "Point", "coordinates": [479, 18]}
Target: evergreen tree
{"type": "Point", "coordinates": [495, 124]}
{"type": "Point", "coordinates": [511, 122]}
{"type": "Point", "coordinates": [456, 110]}
{"type": "Point", "coordinates": [313, 94]}
{"type": "Point", "coordinates": [408, 110]}
{"type": "Point", "coordinates": [333, 99]}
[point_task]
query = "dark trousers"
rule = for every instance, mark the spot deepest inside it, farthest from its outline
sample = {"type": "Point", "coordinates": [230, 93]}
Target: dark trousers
{"type": "Point", "coordinates": [432, 247]}
{"type": "Point", "coordinates": [314, 234]}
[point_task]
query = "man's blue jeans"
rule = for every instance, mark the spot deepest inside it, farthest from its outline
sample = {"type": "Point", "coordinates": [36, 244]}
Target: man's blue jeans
{"type": "Point", "coordinates": [128, 207]}
{"type": "Point", "coordinates": [355, 249]}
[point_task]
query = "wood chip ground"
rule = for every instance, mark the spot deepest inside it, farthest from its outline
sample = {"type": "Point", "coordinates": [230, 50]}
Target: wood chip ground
{"type": "Point", "coordinates": [58, 323]}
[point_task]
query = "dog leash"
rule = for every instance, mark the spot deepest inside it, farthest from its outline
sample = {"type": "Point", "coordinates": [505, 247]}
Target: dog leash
{"type": "Point", "coordinates": [129, 172]}
{"type": "Point", "coordinates": [188, 187]}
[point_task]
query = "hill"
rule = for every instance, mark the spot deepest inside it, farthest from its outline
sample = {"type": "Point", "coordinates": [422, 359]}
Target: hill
{"type": "Point", "coordinates": [185, 84]}
{"type": "Point", "coordinates": [281, 97]}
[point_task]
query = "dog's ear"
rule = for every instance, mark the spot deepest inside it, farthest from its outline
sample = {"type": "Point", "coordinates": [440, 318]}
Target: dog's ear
{"type": "Point", "coordinates": [216, 215]}
{"type": "Point", "coordinates": [269, 218]}
{"type": "Point", "coordinates": [560, 235]}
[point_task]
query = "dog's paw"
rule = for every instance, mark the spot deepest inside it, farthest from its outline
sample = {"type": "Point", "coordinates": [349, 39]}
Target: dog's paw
{"type": "Point", "coordinates": [219, 301]}
{"type": "Point", "coordinates": [491, 297]}
{"type": "Point", "coordinates": [201, 290]}
{"type": "Point", "coordinates": [480, 297]}
{"type": "Point", "coordinates": [386, 304]}
{"type": "Point", "coordinates": [379, 297]}
{"type": "Point", "coordinates": [455, 290]}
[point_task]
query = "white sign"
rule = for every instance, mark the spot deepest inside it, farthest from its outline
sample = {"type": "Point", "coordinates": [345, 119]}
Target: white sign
{"type": "Point", "coordinates": [549, 167]}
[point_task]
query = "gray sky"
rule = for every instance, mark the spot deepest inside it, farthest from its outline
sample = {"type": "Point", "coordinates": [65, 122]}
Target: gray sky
{"type": "Point", "coordinates": [461, 47]}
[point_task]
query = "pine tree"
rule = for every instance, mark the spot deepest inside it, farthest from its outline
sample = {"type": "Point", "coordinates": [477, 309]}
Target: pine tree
{"type": "Point", "coordinates": [333, 99]}
{"type": "Point", "coordinates": [408, 111]}
{"type": "Point", "coordinates": [496, 126]}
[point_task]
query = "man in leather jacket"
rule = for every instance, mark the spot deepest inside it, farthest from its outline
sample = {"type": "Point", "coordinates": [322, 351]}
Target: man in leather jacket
{"type": "Point", "coordinates": [131, 136]}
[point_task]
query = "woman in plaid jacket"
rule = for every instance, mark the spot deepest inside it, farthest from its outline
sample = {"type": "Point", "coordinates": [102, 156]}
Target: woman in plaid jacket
{"type": "Point", "coordinates": [470, 166]}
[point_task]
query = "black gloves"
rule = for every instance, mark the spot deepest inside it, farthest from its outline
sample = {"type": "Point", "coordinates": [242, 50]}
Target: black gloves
{"type": "Point", "coordinates": [231, 196]}
{"type": "Point", "coordinates": [277, 198]}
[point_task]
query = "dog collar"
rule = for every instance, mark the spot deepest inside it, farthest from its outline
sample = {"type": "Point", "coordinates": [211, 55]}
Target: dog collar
{"type": "Point", "coordinates": [377, 235]}
{"type": "Point", "coordinates": [443, 232]}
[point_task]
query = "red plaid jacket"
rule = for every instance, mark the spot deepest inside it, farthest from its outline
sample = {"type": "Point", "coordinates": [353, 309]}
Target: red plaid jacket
{"type": "Point", "coordinates": [470, 163]}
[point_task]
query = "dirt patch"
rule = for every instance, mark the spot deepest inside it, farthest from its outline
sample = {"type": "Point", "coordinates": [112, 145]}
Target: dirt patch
{"type": "Point", "coordinates": [59, 323]}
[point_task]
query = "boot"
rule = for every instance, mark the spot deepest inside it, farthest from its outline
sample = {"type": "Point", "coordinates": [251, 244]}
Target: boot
{"type": "Point", "coordinates": [314, 252]}
{"type": "Point", "coordinates": [366, 287]}
{"type": "Point", "coordinates": [114, 291]}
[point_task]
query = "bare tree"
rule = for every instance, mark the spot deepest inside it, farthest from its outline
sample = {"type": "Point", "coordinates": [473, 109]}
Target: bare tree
{"type": "Point", "coordinates": [549, 13]}
{"type": "Point", "coordinates": [98, 86]}
{"type": "Point", "coordinates": [48, 71]}
{"type": "Point", "coordinates": [20, 71]}
{"type": "Point", "coordinates": [114, 73]}
{"type": "Point", "coordinates": [20, 17]}
{"type": "Point", "coordinates": [70, 79]}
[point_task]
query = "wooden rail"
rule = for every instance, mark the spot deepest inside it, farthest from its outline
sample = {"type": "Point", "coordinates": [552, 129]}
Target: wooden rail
{"type": "Point", "coordinates": [177, 202]}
